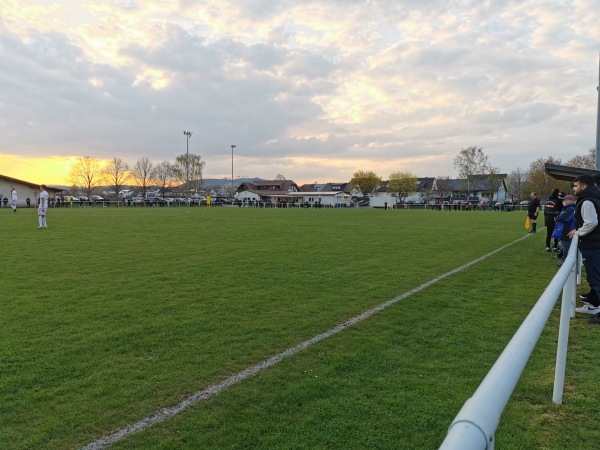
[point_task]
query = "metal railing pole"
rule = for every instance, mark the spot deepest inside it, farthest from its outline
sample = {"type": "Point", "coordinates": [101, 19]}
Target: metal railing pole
{"type": "Point", "coordinates": [474, 427]}
{"type": "Point", "coordinates": [566, 312]}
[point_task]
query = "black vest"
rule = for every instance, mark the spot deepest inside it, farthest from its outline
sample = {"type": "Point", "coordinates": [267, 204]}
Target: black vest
{"type": "Point", "coordinates": [590, 241]}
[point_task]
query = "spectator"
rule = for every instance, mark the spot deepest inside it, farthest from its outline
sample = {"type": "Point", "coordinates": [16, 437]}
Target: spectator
{"type": "Point", "coordinates": [565, 223]}
{"type": "Point", "coordinates": [587, 211]}
{"type": "Point", "coordinates": [552, 209]}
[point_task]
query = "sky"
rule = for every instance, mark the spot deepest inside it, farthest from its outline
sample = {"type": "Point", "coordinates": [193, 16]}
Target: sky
{"type": "Point", "coordinates": [311, 90]}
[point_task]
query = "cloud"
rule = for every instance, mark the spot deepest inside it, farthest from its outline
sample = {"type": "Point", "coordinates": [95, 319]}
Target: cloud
{"type": "Point", "coordinates": [301, 85]}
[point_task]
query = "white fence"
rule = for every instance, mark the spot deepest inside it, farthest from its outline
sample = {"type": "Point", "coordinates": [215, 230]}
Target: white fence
{"type": "Point", "coordinates": [474, 427]}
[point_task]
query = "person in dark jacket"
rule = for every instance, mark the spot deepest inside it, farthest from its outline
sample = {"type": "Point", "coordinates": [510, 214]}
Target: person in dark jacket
{"type": "Point", "coordinates": [552, 209]}
{"type": "Point", "coordinates": [587, 212]}
{"type": "Point", "coordinates": [533, 210]}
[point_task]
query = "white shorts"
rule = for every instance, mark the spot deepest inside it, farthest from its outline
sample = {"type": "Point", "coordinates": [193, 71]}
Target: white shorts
{"type": "Point", "coordinates": [42, 212]}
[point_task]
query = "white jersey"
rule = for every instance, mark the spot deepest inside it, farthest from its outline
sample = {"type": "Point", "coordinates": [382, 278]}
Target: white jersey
{"type": "Point", "coordinates": [14, 196]}
{"type": "Point", "coordinates": [43, 201]}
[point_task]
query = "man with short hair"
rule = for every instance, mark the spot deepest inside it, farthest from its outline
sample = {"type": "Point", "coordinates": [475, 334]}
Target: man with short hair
{"type": "Point", "coordinates": [43, 208]}
{"type": "Point", "coordinates": [587, 211]}
{"type": "Point", "coordinates": [533, 210]}
{"type": "Point", "coordinates": [13, 199]}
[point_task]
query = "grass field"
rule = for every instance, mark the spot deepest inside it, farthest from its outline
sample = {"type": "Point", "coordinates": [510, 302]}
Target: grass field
{"type": "Point", "coordinates": [112, 313]}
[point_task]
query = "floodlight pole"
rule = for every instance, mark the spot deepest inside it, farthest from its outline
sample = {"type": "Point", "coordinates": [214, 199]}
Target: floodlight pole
{"type": "Point", "coordinates": [188, 135]}
{"type": "Point", "coordinates": [232, 147]}
{"type": "Point", "coordinates": [598, 120]}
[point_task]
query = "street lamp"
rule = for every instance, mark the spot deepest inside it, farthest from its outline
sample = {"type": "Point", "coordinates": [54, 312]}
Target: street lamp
{"type": "Point", "coordinates": [232, 147]}
{"type": "Point", "coordinates": [188, 135]}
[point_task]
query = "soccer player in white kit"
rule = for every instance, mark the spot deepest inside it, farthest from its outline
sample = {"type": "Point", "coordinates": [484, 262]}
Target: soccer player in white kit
{"type": "Point", "coordinates": [13, 200]}
{"type": "Point", "coordinates": [43, 207]}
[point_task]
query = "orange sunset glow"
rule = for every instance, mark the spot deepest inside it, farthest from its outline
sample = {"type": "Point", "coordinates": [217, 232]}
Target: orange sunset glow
{"type": "Point", "coordinates": [51, 170]}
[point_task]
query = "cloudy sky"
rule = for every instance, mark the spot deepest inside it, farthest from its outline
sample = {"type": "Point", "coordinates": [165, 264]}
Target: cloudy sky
{"type": "Point", "coordinates": [312, 90]}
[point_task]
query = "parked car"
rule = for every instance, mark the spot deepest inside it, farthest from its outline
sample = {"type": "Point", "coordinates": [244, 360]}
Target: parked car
{"type": "Point", "coordinates": [137, 200]}
{"type": "Point", "coordinates": [524, 203]}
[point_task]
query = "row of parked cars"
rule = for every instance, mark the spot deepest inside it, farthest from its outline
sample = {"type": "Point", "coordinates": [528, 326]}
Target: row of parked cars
{"type": "Point", "coordinates": [167, 201]}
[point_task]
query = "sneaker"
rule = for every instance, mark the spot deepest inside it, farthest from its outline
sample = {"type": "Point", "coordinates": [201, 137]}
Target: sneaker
{"type": "Point", "coordinates": [588, 309]}
{"type": "Point", "coordinates": [594, 319]}
{"type": "Point", "coordinates": [548, 249]}
{"type": "Point", "coordinates": [585, 296]}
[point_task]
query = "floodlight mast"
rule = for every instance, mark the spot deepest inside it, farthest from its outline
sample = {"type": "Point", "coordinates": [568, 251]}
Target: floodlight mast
{"type": "Point", "coordinates": [232, 147]}
{"type": "Point", "coordinates": [188, 135]}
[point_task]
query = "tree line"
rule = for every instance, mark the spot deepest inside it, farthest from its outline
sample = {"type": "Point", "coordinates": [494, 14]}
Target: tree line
{"type": "Point", "coordinates": [473, 164]}
{"type": "Point", "coordinates": [88, 174]}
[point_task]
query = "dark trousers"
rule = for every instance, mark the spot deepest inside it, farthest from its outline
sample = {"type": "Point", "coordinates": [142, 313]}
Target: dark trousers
{"type": "Point", "coordinates": [591, 262]}
{"type": "Point", "coordinates": [550, 224]}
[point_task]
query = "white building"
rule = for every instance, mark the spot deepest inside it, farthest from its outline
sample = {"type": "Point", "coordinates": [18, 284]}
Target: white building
{"type": "Point", "coordinates": [25, 190]}
{"type": "Point", "coordinates": [323, 198]}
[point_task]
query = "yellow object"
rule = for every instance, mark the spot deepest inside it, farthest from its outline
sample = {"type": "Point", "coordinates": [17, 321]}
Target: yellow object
{"type": "Point", "coordinates": [528, 223]}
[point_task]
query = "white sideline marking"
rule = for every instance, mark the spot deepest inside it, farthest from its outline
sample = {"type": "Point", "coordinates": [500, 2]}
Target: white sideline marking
{"type": "Point", "coordinates": [165, 413]}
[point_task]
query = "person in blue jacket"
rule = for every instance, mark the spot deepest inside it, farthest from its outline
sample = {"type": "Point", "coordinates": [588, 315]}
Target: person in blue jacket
{"type": "Point", "coordinates": [565, 222]}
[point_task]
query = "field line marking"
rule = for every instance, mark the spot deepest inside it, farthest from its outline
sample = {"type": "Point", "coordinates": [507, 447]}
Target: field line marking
{"type": "Point", "coordinates": [167, 412]}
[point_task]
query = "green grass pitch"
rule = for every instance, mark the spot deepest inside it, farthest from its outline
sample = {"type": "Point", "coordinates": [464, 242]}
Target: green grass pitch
{"type": "Point", "coordinates": [113, 313]}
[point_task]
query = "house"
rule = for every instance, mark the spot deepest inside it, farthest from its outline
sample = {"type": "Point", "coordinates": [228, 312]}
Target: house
{"type": "Point", "coordinates": [346, 188]}
{"type": "Point", "coordinates": [266, 191]}
{"type": "Point", "coordinates": [328, 194]}
{"type": "Point", "coordinates": [25, 190]}
{"type": "Point", "coordinates": [480, 187]}
{"type": "Point", "coordinates": [420, 195]}
{"type": "Point", "coordinates": [332, 199]}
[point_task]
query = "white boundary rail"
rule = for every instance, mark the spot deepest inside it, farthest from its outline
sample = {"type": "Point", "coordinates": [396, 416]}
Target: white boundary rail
{"type": "Point", "coordinates": [474, 427]}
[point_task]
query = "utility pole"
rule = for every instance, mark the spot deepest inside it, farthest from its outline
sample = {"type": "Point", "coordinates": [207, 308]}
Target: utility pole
{"type": "Point", "coordinates": [187, 164]}
{"type": "Point", "coordinates": [598, 120]}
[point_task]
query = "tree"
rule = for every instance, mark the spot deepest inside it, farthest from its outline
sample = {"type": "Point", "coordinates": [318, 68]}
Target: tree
{"type": "Point", "coordinates": [86, 174]}
{"type": "Point", "coordinates": [584, 161]}
{"type": "Point", "coordinates": [164, 177]}
{"type": "Point", "coordinates": [196, 169]}
{"type": "Point", "coordinates": [492, 180]}
{"type": "Point", "coordinates": [367, 182]}
{"type": "Point", "coordinates": [469, 162]}
{"type": "Point", "coordinates": [443, 187]}
{"type": "Point", "coordinates": [280, 177]}
{"type": "Point", "coordinates": [515, 184]}
{"type": "Point", "coordinates": [402, 184]}
{"type": "Point", "coordinates": [189, 167]}
{"type": "Point", "coordinates": [143, 173]}
{"type": "Point", "coordinates": [116, 174]}
{"type": "Point", "coordinates": [540, 182]}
